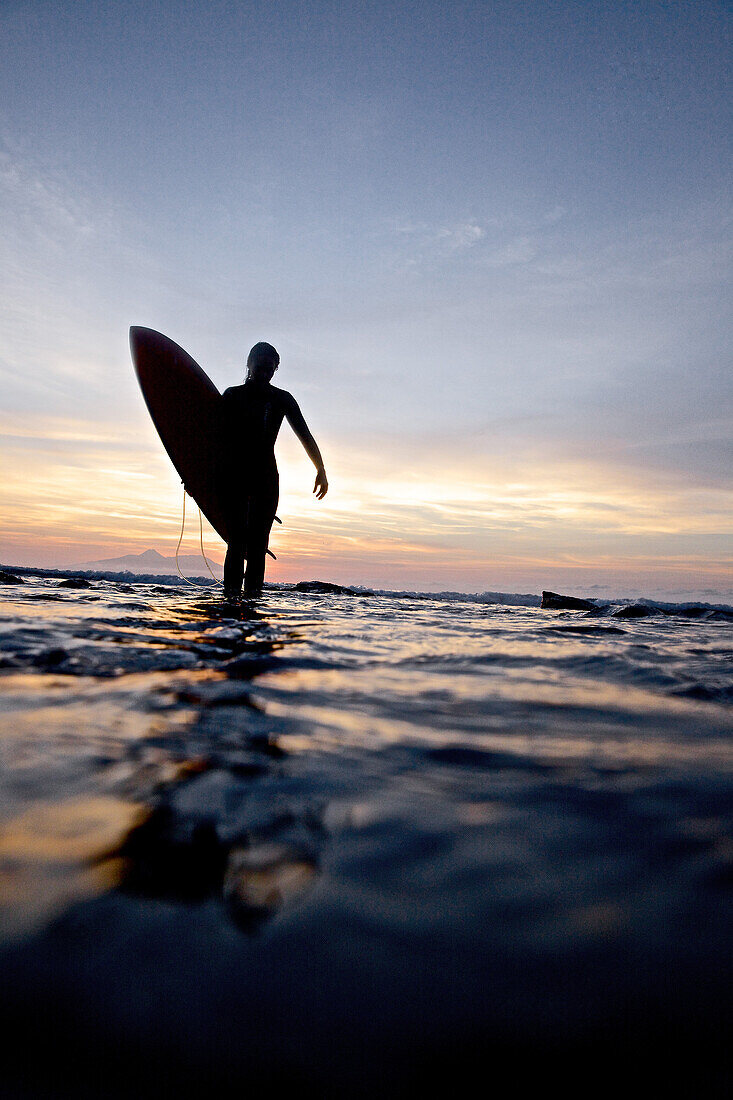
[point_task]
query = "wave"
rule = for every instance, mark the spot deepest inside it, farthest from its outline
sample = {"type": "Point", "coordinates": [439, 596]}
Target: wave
{"type": "Point", "coordinates": [487, 597]}
{"type": "Point", "coordinates": [507, 599]}
{"type": "Point", "coordinates": [124, 577]}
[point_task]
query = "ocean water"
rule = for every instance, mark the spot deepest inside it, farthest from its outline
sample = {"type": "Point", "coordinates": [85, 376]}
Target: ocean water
{"type": "Point", "coordinates": [356, 845]}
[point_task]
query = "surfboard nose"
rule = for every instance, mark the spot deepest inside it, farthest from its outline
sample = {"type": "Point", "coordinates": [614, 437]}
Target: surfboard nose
{"type": "Point", "coordinates": [145, 343]}
{"type": "Point", "coordinates": [137, 335]}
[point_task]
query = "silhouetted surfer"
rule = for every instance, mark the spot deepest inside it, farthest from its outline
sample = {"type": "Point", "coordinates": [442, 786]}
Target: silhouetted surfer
{"type": "Point", "coordinates": [252, 417]}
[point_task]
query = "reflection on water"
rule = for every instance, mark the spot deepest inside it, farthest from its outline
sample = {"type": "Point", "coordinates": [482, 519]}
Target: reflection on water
{"type": "Point", "coordinates": [54, 855]}
{"type": "Point", "coordinates": [426, 811]}
{"type": "Point", "coordinates": [255, 877]}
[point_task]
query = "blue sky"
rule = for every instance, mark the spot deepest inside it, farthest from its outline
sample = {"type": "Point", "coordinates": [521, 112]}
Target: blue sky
{"type": "Point", "coordinates": [491, 242]}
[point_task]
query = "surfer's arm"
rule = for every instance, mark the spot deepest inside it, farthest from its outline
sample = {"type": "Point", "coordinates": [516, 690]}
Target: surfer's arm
{"type": "Point", "coordinates": [299, 426]}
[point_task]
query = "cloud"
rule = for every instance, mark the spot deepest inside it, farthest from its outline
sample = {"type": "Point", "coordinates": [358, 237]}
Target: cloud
{"type": "Point", "coordinates": [556, 214]}
{"type": "Point", "coordinates": [487, 389]}
{"type": "Point", "coordinates": [45, 202]}
{"type": "Point", "coordinates": [65, 262]}
{"type": "Point", "coordinates": [521, 250]}
{"type": "Point", "coordinates": [432, 243]}
{"type": "Point", "coordinates": [462, 236]}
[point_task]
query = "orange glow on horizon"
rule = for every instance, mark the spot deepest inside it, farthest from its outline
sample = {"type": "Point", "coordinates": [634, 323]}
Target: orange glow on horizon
{"type": "Point", "coordinates": [74, 495]}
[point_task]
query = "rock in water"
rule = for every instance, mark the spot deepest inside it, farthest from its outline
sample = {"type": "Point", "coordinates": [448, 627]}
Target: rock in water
{"type": "Point", "coordinates": [328, 586]}
{"type": "Point", "coordinates": [9, 578]}
{"type": "Point", "coordinates": [75, 582]}
{"type": "Point", "coordinates": [636, 611]}
{"type": "Point", "coordinates": [556, 602]}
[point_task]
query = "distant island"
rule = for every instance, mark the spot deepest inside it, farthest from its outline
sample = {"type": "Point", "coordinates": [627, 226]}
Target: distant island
{"type": "Point", "coordinates": [152, 562]}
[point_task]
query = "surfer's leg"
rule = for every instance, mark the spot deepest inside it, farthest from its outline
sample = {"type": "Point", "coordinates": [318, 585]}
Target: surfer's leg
{"type": "Point", "coordinates": [258, 535]}
{"type": "Point", "coordinates": [261, 517]}
{"type": "Point", "coordinates": [234, 570]}
{"type": "Point", "coordinates": [234, 560]}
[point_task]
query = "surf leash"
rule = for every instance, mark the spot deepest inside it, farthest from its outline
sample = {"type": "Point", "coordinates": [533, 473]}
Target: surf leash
{"type": "Point", "coordinates": [201, 541]}
{"type": "Point", "coordinates": [216, 580]}
{"type": "Point", "coordinates": [203, 552]}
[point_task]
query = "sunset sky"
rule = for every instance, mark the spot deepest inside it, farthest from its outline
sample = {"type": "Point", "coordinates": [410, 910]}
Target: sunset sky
{"type": "Point", "coordinates": [490, 240]}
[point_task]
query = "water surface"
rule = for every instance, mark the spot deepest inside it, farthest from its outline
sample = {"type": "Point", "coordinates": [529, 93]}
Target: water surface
{"type": "Point", "coordinates": [352, 843]}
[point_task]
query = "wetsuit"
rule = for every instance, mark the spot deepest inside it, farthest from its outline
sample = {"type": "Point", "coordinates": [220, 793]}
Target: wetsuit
{"type": "Point", "coordinates": [252, 415]}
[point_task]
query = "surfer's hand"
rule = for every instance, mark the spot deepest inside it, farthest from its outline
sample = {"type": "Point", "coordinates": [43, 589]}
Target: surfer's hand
{"type": "Point", "coordinates": [321, 486]}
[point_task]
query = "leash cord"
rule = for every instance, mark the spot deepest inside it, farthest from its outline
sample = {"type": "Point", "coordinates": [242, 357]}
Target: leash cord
{"type": "Point", "coordinates": [201, 541]}
{"type": "Point", "coordinates": [203, 552]}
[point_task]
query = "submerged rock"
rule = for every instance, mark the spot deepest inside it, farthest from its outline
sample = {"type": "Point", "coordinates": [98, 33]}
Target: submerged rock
{"type": "Point", "coordinates": [636, 611]}
{"type": "Point", "coordinates": [328, 586]}
{"type": "Point", "coordinates": [75, 582]}
{"type": "Point", "coordinates": [247, 666]}
{"type": "Point", "coordinates": [555, 602]}
{"type": "Point", "coordinates": [9, 578]}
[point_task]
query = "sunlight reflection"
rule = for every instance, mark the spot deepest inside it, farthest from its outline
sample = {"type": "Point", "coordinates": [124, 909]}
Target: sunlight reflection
{"type": "Point", "coordinates": [54, 855]}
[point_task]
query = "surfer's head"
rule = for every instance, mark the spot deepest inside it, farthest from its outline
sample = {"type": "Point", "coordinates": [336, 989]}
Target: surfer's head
{"type": "Point", "coordinates": [262, 361]}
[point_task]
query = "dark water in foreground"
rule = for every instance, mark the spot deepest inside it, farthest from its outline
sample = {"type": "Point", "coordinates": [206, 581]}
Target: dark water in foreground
{"type": "Point", "coordinates": [351, 845]}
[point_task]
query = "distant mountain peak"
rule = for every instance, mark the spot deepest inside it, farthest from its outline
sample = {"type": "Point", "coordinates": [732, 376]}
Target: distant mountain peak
{"type": "Point", "coordinates": [152, 561]}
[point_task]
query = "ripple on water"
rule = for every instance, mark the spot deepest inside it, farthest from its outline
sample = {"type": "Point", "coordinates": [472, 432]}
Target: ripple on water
{"type": "Point", "coordinates": [375, 818]}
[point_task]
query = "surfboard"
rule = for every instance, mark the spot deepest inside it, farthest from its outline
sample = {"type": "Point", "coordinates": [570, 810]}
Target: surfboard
{"type": "Point", "coordinates": [185, 407]}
